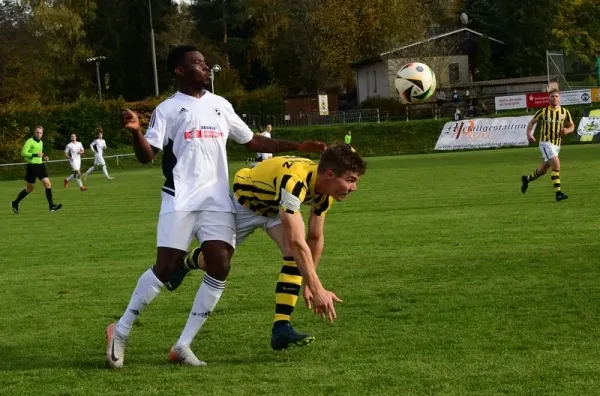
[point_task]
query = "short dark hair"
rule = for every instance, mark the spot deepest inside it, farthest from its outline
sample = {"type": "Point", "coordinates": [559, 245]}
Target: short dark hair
{"type": "Point", "coordinates": [553, 90]}
{"type": "Point", "coordinates": [341, 158]}
{"type": "Point", "coordinates": [177, 55]}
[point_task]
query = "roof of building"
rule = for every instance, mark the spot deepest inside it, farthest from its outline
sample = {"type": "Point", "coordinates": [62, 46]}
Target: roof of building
{"type": "Point", "coordinates": [387, 54]}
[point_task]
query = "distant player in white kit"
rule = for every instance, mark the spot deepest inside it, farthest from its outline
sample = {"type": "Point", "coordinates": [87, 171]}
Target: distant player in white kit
{"type": "Point", "coordinates": [98, 146]}
{"type": "Point", "coordinates": [73, 152]}
{"type": "Point", "coordinates": [266, 133]}
{"type": "Point", "coordinates": [191, 128]}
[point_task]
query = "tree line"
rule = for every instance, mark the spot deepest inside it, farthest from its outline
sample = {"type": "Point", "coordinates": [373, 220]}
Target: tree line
{"type": "Point", "coordinates": [298, 46]}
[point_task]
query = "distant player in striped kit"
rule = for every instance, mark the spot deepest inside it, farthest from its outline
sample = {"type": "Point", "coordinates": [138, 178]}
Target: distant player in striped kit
{"type": "Point", "coordinates": [555, 122]}
{"type": "Point", "coordinates": [98, 146]}
{"type": "Point", "coordinates": [73, 152]}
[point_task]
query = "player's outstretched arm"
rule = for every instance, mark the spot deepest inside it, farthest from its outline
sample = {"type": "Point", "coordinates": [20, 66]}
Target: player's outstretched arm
{"type": "Point", "coordinates": [323, 300]}
{"type": "Point", "coordinates": [143, 150]}
{"type": "Point", "coordinates": [262, 144]}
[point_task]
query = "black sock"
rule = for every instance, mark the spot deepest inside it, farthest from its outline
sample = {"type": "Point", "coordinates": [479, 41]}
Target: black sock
{"type": "Point", "coordinates": [49, 197]}
{"type": "Point", "coordinates": [22, 195]}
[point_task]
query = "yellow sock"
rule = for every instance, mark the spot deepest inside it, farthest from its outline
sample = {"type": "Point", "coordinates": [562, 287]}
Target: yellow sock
{"type": "Point", "coordinates": [556, 180]}
{"type": "Point", "coordinates": [287, 290]}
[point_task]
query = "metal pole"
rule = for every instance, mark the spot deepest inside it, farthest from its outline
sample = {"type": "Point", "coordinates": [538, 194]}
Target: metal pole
{"type": "Point", "coordinates": [547, 71]}
{"type": "Point", "coordinates": [212, 81]}
{"type": "Point", "coordinates": [98, 77]}
{"type": "Point", "coordinates": [153, 51]}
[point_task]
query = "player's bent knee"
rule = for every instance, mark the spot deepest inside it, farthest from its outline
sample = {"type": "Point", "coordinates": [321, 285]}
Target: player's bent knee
{"type": "Point", "coordinates": [217, 257]}
{"type": "Point", "coordinates": [168, 260]}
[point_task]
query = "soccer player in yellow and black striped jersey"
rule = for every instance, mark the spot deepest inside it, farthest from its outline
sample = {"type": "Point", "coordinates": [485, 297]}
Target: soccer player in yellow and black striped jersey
{"type": "Point", "coordinates": [555, 122]}
{"type": "Point", "coordinates": [269, 196]}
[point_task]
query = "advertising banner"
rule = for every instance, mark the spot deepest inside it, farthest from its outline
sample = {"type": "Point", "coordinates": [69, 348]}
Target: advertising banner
{"type": "Point", "coordinates": [484, 133]}
{"type": "Point", "coordinates": [589, 129]}
{"type": "Point", "coordinates": [537, 100]}
{"type": "Point", "coordinates": [510, 102]}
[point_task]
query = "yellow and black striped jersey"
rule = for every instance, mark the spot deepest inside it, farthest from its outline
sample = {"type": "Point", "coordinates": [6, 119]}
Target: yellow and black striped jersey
{"type": "Point", "coordinates": [551, 122]}
{"type": "Point", "coordinates": [280, 182]}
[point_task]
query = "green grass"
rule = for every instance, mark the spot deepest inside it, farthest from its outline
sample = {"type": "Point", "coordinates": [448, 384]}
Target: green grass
{"type": "Point", "coordinates": [454, 283]}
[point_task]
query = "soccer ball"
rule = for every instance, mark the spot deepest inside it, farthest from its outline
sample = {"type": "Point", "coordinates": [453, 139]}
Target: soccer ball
{"type": "Point", "coordinates": [415, 83]}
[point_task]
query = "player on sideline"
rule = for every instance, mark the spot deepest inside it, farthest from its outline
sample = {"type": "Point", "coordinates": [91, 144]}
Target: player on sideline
{"type": "Point", "coordinates": [73, 152]}
{"type": "Point", "coordinates": [98, 146]}
{"type": "Point", "coordinates": [269, 196]}
{"type": "Point", "coordinates": [266, 133]}
{"type": "Point", "coordinates": [192, 128]}
{"type": "Point", "coordinates": [33, 151]}
{"type": "Point", "coordinates": [556, 121]}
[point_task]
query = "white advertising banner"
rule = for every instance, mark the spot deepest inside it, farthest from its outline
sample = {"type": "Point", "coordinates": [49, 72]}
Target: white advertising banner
{"type": "Point", "coordinates": [589, 126]}
{"type": "Point", "coordinates": [323, 105]}
{"type": "Point", "coordinates": [484, 133]}
{"type": "Point", "coordinates": [511, 102]}
{"type": "Point", "coordinates": [578, 96]}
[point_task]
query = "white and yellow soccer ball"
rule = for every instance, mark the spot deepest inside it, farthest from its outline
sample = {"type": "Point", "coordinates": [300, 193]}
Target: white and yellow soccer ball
{"type": "Point", "coordinates": [415, 82]}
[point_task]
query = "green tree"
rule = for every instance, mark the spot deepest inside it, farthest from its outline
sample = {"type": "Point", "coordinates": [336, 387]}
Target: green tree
{"type": "Point", "coordinates": [121, 32]}
{"type": "Point", "coordinates": [484, 59]}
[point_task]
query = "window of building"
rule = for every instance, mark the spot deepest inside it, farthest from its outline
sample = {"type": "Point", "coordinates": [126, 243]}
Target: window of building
{"type": "Point", "coordinates": [375, 80]}
{"type": "Point", "coordinates": [454, 72]}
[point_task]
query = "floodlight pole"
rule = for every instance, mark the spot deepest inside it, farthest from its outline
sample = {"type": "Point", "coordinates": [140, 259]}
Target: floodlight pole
{"type": "Point", "coordinates": [97, 60]}
{"type": "Point", "coordinates": [153, 51]}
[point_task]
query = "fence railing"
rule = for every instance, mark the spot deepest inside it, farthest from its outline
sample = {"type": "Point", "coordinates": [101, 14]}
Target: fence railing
{"type": "Point", "coordinates": [313, 118]}
{"type": "Point", "coordinates": [65, 160]}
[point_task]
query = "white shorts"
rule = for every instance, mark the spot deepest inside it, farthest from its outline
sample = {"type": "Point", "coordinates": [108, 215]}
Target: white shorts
{"type": "Point", "coordinates": [176, 229]}
{"type": "Point", "coordinates": [549, 151]}
{"type": "Point", "coordinates": [99, 161]}
{"type": "Point", "coordinates": [266, 156]}
{"type": "Point", "coordinates": [246, 221]}
{"type": "Point", "coordinates": [75, 164]}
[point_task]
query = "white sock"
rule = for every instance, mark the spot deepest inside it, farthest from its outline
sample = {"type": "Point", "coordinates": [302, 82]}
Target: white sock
{"type": "Point", "coordinates": [206, 300]}
{"type": "Point", "coordinates": [90, 170]}
{"type": "Point", "coordinates": [71, 177]}
{"type": "Point", "coordinates": [105, 171]}
{"type": "Point", "coordinates": [147, 289]}
{"type": "Point", "coordinates": [79, 183]}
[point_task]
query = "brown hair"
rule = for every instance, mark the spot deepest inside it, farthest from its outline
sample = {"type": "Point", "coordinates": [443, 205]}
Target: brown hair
{"type": "Point", "coordinates": [341, 158]}
{"type": "Point", "coordinates": [553, 90]}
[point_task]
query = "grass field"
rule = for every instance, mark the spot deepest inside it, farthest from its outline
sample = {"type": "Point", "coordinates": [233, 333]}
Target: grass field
{"type": "Point", "coordinates": [454, 283]}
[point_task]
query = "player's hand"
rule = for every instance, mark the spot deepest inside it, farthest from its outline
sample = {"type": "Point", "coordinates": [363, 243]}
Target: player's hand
{"type": "Point", "coordinates": [312, 146]}
{"type": "Point", "coordinates": [40, 154]}
{"type": "Point", "coordinates": [46, 158]}
{"type": "Point", "coordinates": [563, 132]}
{"type": "Point", "coordinates": [130, 120]}
{"type": "Point", "coordinates": [308, 297]}
{"type": "Point", "coordinates": [323, 302]}
{"type": "Point", "coordinates": [531, 138]}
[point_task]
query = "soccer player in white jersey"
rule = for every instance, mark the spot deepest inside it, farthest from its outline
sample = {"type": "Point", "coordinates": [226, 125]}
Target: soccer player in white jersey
{"type": "Point", "coordinates": [73, 152]}
{"type": "Point", "coordinates": [98, 146]}
{"type": "Point", "coordinates": [266, 133]}
{"type": "Point", "coordinates": [191, 128]}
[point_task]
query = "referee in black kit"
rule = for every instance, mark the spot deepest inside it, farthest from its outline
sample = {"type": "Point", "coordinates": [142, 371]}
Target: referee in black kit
{"type": "Point", "coordinates": [33, 151]}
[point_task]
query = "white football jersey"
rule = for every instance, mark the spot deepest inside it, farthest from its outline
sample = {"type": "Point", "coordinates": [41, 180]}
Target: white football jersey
{"type": "Point", "coordinates": [193, 133]}
{"type": "Point", "coordinates": [98, 145]}
{"type": "Point", "coordinates": [265, 156]}
{"type": "Point", "coordinates": [73, 149]}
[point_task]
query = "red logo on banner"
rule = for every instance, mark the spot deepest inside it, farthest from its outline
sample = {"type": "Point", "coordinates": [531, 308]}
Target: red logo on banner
{"type": "Point", "coordinates": [537, 100]}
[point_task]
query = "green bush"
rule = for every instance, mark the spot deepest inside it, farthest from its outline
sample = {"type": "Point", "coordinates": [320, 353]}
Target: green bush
{"type": "Point", "coordinates": [385, 105]}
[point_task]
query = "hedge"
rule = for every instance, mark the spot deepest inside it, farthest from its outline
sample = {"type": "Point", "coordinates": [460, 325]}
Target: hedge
{"type": "Point", "coordinates": [386, 138]}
